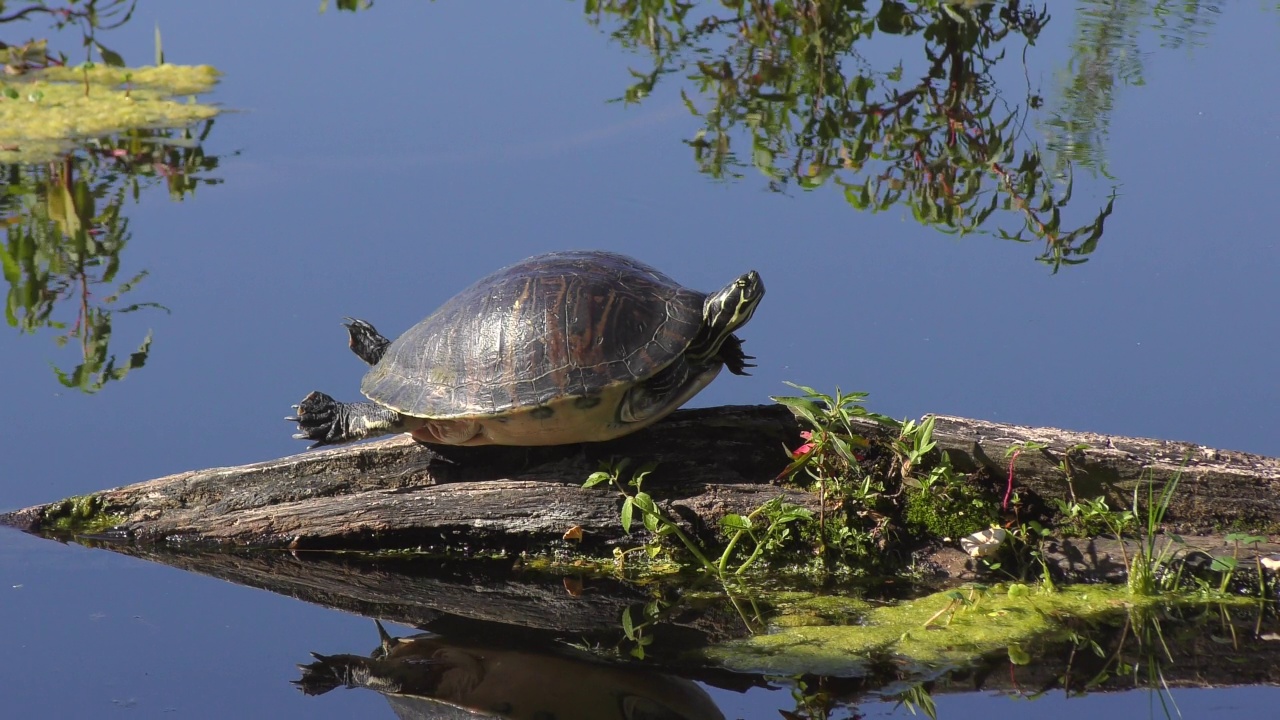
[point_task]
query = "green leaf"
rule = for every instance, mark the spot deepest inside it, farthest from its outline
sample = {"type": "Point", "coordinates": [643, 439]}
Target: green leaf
{"type": "Point", "coordinates": [805, 389]}
{"type": "Point", "coordinates": [734, 522]}
{"type": "Point", "coordinates": [792, 514]}
{"type": "Point", "coordinates": [1018, 656]}
{"type": "Point", "coordinates": [628, 628]}
{"type": "Point", "coordinates": [645, 502]}
{"type": "Point", "coordinates": [651, 522]}
{"type": "Point", "coordinates": [794, 402]}
{"type": "Point", "coordinates": [596, 478]}
{"type": "Point", "coordinates": [10, 265]}
{"type": "Point", "coordinates": [1223, 564]}
{"type": "Point", "coordinates": [110, 57]}
{"type": "Point", "coordinates": [693, 109]}
{"type": "Point", "coordinates": [763, 158]}
{"type": "Point", "coordinates": [854, 197]}
{"type": "Point", "coordinates": [628, 506]}
{"type": "Point", "coordinates": [892, 18]}
{"type": "Point", "coordinates": [802, 407]}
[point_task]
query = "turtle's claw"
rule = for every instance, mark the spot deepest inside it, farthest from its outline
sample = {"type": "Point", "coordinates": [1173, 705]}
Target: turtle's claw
{"type": "Point", "coordinates": [317, 419]}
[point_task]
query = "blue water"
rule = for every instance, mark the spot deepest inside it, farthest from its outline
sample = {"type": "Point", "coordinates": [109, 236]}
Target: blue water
{"type": "Point", "coordinates": [374, 164]}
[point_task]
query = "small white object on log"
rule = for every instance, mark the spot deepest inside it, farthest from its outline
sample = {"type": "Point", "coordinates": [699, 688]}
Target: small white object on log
{"type": "Point", "coordinates": [983, 543]}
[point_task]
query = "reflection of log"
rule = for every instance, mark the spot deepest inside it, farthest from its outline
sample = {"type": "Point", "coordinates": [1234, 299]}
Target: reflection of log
{"type": "Point", "coordinates": [469, 600]}
{"type": "Point", "coordinates": [712, 461]}
{"type": "Point", "coordinates": [539, 612]}
{"type": "Point", "coordinates": [1204, 647]}
{"type": "Point", "coordinates": [1197, 647]}
{"type": "Point", "coordinates": [416, 592]}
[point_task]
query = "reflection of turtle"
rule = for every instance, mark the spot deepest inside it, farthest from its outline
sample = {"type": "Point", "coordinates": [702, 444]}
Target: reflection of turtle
{"type": "Point", "coordinates": [560, 348]}
{"type": "Point", "coordinates": [428, 676]}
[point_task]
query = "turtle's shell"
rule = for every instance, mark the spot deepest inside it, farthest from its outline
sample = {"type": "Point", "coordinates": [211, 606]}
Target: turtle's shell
{"type": "Point", "coordinates": [553, 327]}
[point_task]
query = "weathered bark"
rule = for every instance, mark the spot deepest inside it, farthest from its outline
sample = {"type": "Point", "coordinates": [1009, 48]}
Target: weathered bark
{"type": "Point", "coordinates": [710, 461]}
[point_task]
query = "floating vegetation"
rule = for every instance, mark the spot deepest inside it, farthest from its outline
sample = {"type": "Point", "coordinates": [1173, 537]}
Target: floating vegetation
{"type": "Point", "coordinates": [46, 112]}
{"type": "Point", "coordinates": [943, 631]}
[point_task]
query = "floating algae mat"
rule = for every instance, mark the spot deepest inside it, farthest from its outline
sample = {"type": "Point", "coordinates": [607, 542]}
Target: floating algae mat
{"type": "Point", "coordinates": [44, 113]}
{"type": "Point", "coordinates": [842, 637]}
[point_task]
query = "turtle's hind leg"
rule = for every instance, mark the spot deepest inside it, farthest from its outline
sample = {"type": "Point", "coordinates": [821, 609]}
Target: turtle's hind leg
{"type": "Point", "coordinates": [366, 342]}
{"type": "Point", "coordinates": [329, 422]}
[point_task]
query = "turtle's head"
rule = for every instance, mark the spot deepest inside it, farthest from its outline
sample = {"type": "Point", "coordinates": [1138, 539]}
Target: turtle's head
{"type": "Point", "coordinates": [729, 308]}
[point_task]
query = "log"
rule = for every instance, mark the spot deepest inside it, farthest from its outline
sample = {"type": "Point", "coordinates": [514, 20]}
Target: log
{"type": "Point", "coordinates": [392, 494]}
{"type": "Point", "coordinates": [1217, 488]}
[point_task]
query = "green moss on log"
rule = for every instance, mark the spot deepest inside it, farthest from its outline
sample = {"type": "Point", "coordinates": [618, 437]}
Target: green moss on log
{"type": "Point", "coordinates": [81, 514]}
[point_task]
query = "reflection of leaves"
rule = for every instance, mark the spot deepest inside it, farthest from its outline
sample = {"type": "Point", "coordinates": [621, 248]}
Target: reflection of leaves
{"type": "Point", "coordinates": [89, 16]}
{"type": "Point", "coordinates": [347, 5]}
{"type": "Point", "coordinates": [930, 132]}
{"type": "Point", "coordinates": [18, 58]}
{"type": "Point", "coordinates": [66, 230]}
{"type": "Point", "coordinates": [1106, 55]}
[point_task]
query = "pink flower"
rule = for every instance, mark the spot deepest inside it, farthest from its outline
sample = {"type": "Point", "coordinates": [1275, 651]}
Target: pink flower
{"type": "Point", "coordinates": [806, 448]}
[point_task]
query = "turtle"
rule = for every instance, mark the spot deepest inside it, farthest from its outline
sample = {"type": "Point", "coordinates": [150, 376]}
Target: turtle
{"type": "Point", "coordinates": [560, 348]}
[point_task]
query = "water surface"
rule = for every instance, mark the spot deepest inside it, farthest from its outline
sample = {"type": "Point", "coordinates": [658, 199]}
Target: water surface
{"type": "Point", "coordinates": [374, 164]}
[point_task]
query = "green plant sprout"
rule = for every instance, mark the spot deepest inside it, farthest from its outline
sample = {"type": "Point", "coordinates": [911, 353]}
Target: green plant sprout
{"type": "Point", "coordinates": [1227, 565]}
{"type": "Point", "coordinates": [832, 444]}
{"type": "Point", "coordinates": [775, 515]}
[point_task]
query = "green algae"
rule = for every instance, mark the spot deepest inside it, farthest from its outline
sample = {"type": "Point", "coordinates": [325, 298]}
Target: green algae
{"type": "Point", "coordinates": [935, 513]}
{"type": "Point", "coordinates": [80, 514]}
{"type": "Point", "coordinates": [945, 630]}
{"type": "Point", "coordinates": [44, 113]}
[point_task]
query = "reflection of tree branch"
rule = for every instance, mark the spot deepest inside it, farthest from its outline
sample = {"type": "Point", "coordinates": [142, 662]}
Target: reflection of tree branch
{"type": "Point", "coordinates": [777, 74]}
{"type": "Point", "coordinates": [82, 321]}
{"type": "Point", "coordinates": [66, 233]}
{"type": "Point", "coordinates": [24, 12]}
{"type": "Point", "coordinates": [90, 19]}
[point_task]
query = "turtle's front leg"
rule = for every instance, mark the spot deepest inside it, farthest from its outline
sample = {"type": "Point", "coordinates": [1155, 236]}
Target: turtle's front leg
{"type": "Point", "coordinates": [329, 422]}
